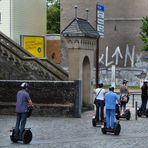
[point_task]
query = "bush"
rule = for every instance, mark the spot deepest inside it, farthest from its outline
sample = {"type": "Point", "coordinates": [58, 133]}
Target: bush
{"type": "Point", "coordinates": [144, 32]}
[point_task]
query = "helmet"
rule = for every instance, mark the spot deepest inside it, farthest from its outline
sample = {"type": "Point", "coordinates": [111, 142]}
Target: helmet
{"type": "Point", "coordinates": [145, 81]}
{"type": "Point", "coordinates": [125, 81]}
{"type": "Point", "coordinates": [100, 85]}
{"type": "Point", "coordinates": [24, 85]}
{"type": "Point", "coordinates": [111, 88]}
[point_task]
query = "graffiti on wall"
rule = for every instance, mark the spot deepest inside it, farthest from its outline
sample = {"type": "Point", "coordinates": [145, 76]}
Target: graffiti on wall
{"type": "Point", "coordinates": [133, 68]}
{"type": "Point", "coordinates": [117, 55]}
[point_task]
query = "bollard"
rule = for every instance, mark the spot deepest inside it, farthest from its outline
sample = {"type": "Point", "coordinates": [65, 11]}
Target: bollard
{"type": "Point", "coordinates": [136, 110]}
{"type": "Point", "coordinates": [133, 101]}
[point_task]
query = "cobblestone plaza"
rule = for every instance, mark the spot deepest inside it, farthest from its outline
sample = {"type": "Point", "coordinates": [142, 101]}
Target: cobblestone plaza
{"type": "Point", "coordinates": [63, 132]}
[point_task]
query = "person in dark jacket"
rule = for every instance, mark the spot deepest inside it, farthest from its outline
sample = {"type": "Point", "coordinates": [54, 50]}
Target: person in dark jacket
{"type": "Point", "coordinates": [144, 96]}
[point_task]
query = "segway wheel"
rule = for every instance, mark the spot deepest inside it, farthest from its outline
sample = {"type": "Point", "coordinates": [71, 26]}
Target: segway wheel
{"type": "Point", "coordinates": [27, 136]}
{"type": "Point", "coordinates": [94, 122]}
{"type": "Point", "coordinates": [12, 137]}
{"type": "Point", "coordinates": [146, 113]}
{"type": "Point", "coordinates": [103, 130]}
{"type": "Point", "coordinates": [117, 129]}
{"type": "Point", "coordinates": [117, 116]}
{"type": "Point", "coordinates": [139, 113]}
{"type": "Point", "coordinates": [127, 114]}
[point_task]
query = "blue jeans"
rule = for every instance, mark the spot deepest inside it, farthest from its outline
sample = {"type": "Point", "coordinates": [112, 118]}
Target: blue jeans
{"type": "Point", "coordinates": [20, 123]}
{"type": "Point", "coordinates": [123, 105]}
{"type": "Point", "coordinates": [110, 118]}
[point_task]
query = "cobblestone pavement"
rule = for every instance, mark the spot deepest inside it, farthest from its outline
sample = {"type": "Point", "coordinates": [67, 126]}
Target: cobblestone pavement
{"type": "Point", "coordinates": [51, 132]}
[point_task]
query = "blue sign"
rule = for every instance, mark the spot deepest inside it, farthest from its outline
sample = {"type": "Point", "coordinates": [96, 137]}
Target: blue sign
{"type": "Point", "coordinates": [100, 8]}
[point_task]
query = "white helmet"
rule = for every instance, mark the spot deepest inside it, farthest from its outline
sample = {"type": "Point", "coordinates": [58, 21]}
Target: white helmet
{"type": "Point", "coordinates": [145, 81]}
{"type": "Point", "coordinates": [24, 85]}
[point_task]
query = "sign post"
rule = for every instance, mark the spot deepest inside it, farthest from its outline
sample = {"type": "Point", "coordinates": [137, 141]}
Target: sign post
{"type": "Point", "coordinates": [100, 30]}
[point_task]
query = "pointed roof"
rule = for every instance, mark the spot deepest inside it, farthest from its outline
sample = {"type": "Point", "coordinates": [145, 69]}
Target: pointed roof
{"type": "Point", "coordinates": [80, 27]}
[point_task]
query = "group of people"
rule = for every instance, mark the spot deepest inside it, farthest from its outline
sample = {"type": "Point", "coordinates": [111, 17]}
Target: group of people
{"type": "Point", "coordinates": [103, 99]}
{"type": "Point", "coordinates": [109, 100]}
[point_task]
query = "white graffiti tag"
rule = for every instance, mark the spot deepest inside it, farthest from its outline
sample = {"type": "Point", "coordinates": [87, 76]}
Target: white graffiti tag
{"type": "Point", "coordinates": [118, 55]}
{"type": "Point", "coordinates": [131, 56]}
{"type": "Point", "coordinates": [106, 61]}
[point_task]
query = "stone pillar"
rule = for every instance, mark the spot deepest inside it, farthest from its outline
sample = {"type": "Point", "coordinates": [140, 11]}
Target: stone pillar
{"type": "Point", "coordinates": [78, 99]}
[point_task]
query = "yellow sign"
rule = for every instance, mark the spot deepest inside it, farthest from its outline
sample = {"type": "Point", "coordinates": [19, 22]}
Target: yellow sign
{"type": "Point", "coordinates": [35, 45]}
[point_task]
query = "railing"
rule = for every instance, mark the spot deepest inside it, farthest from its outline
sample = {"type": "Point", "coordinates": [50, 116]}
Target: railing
{"type": "Point", "coordinates": [133, 94]}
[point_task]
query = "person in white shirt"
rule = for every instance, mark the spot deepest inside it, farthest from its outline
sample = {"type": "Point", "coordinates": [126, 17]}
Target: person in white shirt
{"type": "Point", "coordinates": [100, 103]}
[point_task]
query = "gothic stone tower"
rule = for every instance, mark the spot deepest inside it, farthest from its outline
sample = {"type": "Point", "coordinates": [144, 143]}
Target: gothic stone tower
{"type": "Point", "coordinates": [80, 38]}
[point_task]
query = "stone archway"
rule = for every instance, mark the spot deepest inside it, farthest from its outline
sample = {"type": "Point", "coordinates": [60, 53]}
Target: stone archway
{"type": "Point", "coordinates": [86, 80]}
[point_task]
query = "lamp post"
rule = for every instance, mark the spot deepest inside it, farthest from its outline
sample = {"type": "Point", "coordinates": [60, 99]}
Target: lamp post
{"type": "Point", "coordinates": [97, 62]}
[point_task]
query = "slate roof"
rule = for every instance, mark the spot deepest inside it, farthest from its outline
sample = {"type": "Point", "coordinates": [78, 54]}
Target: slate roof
{"type": "Point", "coordinates": [80, 27]}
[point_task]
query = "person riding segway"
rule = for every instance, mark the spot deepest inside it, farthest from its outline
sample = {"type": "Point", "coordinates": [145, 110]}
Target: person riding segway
{"type": "Point", "coordinates": [110, 125]}
{"type": "Point", "coordinates": [23, 109]}
{"type": "Point", "coordinates": [99, 102]}
{"type": "Point", "coordinates": [142, 111]}
{"type": "Point", "coordinates": [124, 99]}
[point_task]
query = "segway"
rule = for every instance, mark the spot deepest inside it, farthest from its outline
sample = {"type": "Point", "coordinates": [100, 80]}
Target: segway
{"type": "Point", "coordinates": [126, 114]}
{"type": "Point", "coordinates": [115, 131]}
{"type": "Point", "coordinates": [27, 134]}
{"type": "Point", "coordinates": [140, 113]}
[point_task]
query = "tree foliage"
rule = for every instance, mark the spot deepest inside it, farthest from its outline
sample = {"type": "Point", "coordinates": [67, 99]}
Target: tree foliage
{"type": "Point", "coordinates": [53, 16]}
{"type": "Point", "coordinates": [144, 32]}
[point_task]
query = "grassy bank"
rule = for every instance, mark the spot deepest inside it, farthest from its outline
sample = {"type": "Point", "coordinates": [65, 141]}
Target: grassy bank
{"type": "Point", "coordinates": [131, 88]}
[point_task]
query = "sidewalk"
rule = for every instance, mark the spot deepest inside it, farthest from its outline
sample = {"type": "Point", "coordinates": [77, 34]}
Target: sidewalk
{"type": "Point", "coordinates": [53, 132]}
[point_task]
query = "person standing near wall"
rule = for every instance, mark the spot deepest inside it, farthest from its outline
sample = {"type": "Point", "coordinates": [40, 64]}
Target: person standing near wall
{"type": "Point", "coordinates": [144, 96]}
{"type": "Point", "coordinates": [124, 96]}
{"type": "Point", "coordinates": [99, 102]}
{"type": "Point", "coordinates": [23, 101]}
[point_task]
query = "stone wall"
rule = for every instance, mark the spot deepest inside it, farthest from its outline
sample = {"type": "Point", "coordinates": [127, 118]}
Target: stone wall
{"type": "Point", "coordinates": [49, 97]}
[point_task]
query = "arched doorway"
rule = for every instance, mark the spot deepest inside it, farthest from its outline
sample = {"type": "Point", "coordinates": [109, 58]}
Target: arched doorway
{"type": "Point", "coordinates": [86, 77]}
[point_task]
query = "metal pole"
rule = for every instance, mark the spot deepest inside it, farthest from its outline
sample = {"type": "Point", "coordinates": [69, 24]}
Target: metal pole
{"type": "Point", "coordinates": [97, 62]}
{"type": "Point", "coordinates": [97, 53]}
{"type": "Point", "coordinates": [87, 13]}
{"type": "Point", "coordinates": [136, 110]}
{"type": "Point", "coordinates": [133, 101]}
{"type": "Point", "coordinates": [76, 11]}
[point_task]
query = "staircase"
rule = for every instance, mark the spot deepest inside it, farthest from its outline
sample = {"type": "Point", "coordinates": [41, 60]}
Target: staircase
{"type": "Point", "coordinates": [18, 64]}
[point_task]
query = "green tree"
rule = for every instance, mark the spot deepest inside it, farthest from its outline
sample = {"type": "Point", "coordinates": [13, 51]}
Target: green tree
{"type": "Point", "coordinates": [53, 16]}
{"type": "Point", "coordinates": [144, 32]}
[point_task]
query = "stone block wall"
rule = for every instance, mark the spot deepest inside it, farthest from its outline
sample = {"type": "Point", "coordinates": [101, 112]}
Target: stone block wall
{"type": "Point", "coordinates": [49, 97]}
